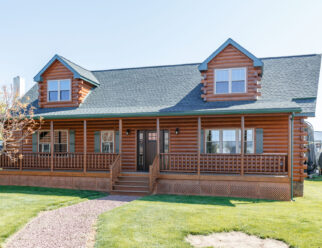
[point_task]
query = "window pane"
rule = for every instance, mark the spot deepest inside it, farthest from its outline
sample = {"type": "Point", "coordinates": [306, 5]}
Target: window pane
{"type": "Point", "coordinates": [44, 137]}
{"type": "Point", "coordinates": [238, 86]}
{"type": "Point", "coordinates": [64, 95]}
{"type": "Point", "coordinates": [60, 148]}
{"type": "Point", "coordinates": [60, 137]}
{"type": "Point", "coordinates": [107, 147]}
{"type": "Point", "coordinates": [229, 141]}
{"type": "Point", "coordinates": [222, 87]}
{"type": "Point", "coordinates": [65, 84]}
{"type": "Point", "coordinates": [53, 96]}
{"type": "Point", "coordinates": [238, 74]}
{"type": "Point", "coordinates": [213, 147]}
{"type": "Point", "coordinates": [249, 141]}
{"type": "Point", "coordinates": [166, 142]}
{"type": "Point", "coordinates": [212, 135]}
{"type": "Point", "coordinates": [107, 136]}
{"type": "Point", "coordinates": [222, 75]}
{"type": "Point", "coordinates": [52, 85]}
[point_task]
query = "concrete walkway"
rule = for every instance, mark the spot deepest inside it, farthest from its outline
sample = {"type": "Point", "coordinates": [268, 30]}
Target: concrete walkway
{"type": "Point", "coordinates": [65, 227]}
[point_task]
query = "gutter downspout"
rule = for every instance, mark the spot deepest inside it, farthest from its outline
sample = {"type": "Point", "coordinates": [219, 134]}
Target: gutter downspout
{"type": "Point", "coordinates": [292, 134]}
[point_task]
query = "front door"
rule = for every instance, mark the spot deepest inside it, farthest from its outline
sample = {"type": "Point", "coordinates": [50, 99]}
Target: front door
{"type": "Point", "coordinates": [147, 147]}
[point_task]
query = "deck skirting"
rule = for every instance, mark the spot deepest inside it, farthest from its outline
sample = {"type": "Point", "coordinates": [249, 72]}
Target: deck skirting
{"type": "Point", "coordinates": [231, 188]}
{"type": "Point", "coordinates": [56, 181]}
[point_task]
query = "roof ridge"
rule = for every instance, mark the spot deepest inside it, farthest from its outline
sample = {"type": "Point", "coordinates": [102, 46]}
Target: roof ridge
{"type": "Point", "coordinates": [292, 56]}
{"type": "Point", "coordinates": [144, 67]}
{"type": "Point", "coordinates": [73, 62]}
{"type": "Point", "coordinates": [198, 63]}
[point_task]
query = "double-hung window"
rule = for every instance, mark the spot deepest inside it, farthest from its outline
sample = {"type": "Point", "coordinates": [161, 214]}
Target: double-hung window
{"type": "Point", "coordinates": [107, 141]}
{"type": "Point", "coordinates": [44, 141]}
{"type": "Point", "coordinates": [228, 141]}
{"type": "Point", "coordinates": [59, 90]}
{"type": "Point", "coordinates": [60, 141]}
{"type": "Point", "coordinates": [231, 80]}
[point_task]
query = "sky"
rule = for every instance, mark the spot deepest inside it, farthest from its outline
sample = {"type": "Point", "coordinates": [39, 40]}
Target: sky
{"type": "Point", "coordinates": [133, 33]}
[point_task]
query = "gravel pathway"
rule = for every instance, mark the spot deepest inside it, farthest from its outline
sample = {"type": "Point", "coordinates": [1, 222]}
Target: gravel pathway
{"type": "Point", "coordinates": [65, 227]}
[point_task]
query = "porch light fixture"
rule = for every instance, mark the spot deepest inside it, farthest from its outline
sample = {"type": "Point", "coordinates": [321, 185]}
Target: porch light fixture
{"type": "Point", "coordinates": [128, 131]}
{"type": "Point", "coordinates": [177, 131]}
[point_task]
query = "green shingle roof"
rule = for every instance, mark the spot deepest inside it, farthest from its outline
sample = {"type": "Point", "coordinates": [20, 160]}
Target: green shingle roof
{"type": "Point", "coordinates": [289, 84]}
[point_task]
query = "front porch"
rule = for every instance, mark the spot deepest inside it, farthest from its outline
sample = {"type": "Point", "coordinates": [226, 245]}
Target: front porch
{"type": "Point", "coordinates": [164, 150]}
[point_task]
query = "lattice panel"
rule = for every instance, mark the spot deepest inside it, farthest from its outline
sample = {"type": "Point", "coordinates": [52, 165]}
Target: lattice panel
{"type": "Point", "coordinates": [258, 190]}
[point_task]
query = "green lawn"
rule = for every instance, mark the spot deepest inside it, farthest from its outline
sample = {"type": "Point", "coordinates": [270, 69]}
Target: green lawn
{"type": "Point", "coordinates": [164, 221]}
{"type": "Point", "coordinates": [19, 204]}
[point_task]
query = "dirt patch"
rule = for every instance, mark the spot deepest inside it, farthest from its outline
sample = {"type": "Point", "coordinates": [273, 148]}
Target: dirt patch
{"type": "Point", "coordinates": [232, 240]}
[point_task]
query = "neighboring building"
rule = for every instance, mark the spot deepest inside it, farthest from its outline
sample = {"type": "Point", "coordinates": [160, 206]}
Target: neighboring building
{"type": "Point", "coordinates": [221, 127]}
{"type": "Point", "coordinates": [318, 141]}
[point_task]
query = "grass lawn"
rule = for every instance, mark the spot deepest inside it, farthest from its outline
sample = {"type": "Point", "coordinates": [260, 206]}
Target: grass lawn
{"type": "Point", "coordinates": [164, 221]}
{"type": "Point", "coordinates": [19, 204]}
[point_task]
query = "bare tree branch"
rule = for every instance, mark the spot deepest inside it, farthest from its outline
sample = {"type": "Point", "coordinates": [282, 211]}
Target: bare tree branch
{"type": "Point", "coordinates": [16, 122]}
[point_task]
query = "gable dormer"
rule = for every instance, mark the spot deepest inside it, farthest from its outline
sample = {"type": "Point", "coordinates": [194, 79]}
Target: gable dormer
{"type": "Point", "coordinates": [231, 73]}
{"type": "Point", "coordinates": [61, 83]}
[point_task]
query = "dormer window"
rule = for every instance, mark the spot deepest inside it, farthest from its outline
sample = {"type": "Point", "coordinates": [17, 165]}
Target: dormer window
{"type": "Point", "coordinates": [59, 90]}
{"type": "Point", "coordinates": [231, 80]}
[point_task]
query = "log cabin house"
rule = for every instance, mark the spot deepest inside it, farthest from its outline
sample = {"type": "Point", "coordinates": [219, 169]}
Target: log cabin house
{"type": "Point", "coordinates": [232, 125]}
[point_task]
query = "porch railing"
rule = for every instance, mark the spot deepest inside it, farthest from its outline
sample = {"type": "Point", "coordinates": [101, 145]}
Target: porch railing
{"type": "Point", "coordinates": [154, 170]}
{"type": "Point", "coordinates": [272, 164]}
{"type": "Point", "coordinates": [61, 161]}
{"type": "Point", "coordinates": [115, 171]}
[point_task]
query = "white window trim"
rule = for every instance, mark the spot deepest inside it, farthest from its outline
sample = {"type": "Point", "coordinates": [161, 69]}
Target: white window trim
{"type": "Point", "coordinates": [230, 80]}
{"type": "Point", "coordinates": [101, 139]}
{"type": "Point", "coordinates": [221, 140]}
{"type": "Point", "coordinates": [61, 130]}
{"type": "Point", "coordinates": [58, 80]}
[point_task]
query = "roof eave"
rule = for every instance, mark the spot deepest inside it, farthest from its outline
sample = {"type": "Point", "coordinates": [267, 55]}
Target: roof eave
{"type": "Point", "coordinates": [256, 62]}
{"type": "Point", "coordinates": [187, 113]}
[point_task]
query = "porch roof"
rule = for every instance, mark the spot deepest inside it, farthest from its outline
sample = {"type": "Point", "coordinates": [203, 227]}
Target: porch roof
{"type": "Point", "coordinates": [289, 84]}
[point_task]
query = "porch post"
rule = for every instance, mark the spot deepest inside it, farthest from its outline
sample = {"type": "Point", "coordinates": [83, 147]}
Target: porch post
{"type": "Point", "coordinates": [51, 146]}
{"type": "Point", "coordinates": [199, 143]}
{"type": "Point", "coordinates": [85, 144]}
{"type": "Point", "coordinates": [158, 136]}
{"type": "Point", "coordinates": [120, 139]}
{"type": "Point", "coordinates": [242, 145]}
{"type": "Point", "coordinates": [289, 162]}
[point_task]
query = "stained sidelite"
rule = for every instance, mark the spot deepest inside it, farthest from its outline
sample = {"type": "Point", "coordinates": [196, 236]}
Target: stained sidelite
{"type": "Point", "coordinates": [228, 141]}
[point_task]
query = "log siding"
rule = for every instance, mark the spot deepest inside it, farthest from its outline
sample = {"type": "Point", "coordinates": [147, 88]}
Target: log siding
{"type": "Point", "coordinates": [231, 57]}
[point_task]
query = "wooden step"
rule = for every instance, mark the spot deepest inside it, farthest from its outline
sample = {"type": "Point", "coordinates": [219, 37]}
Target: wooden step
{"type": "Point", "coordinates": [131, 188]}
{"type": "Point", "coordinates": [132, 178]}
{"type": "Point", "coordinates": [129, 192]}
{"type": "Point", "coordinates": [132, 183]}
